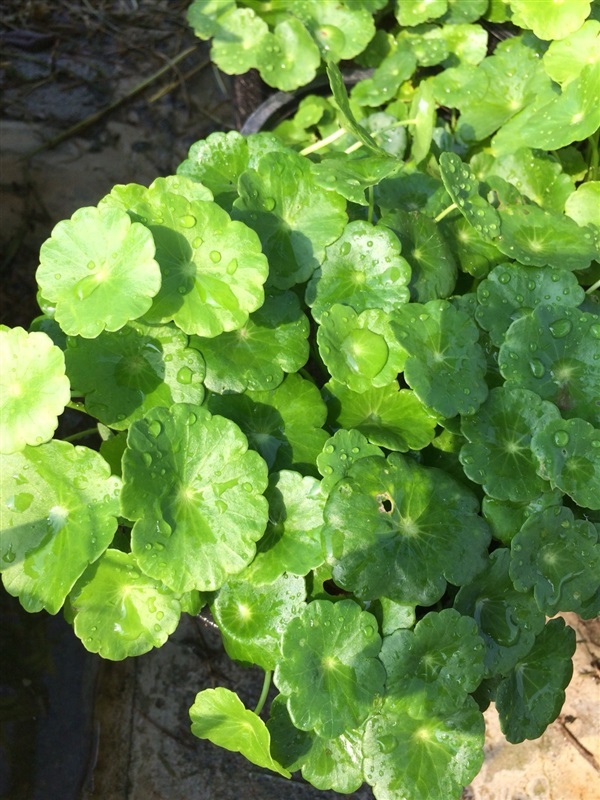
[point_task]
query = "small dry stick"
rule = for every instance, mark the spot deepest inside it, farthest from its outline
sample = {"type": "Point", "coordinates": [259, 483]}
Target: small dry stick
{"type": "Point", "coordinates": [589, 757]}
{"type": "Point", "coordinates": [85, 123]}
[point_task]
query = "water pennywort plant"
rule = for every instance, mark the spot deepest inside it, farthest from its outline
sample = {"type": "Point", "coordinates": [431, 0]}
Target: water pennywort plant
{"type": "Point", "coordinates": [349, 401]}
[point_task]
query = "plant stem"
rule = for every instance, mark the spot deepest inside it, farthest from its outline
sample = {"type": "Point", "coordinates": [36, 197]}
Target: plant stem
{"type": "Point", "coordinates": [265, 691]}
{"type": "Point", "coordinates": [353, 147]}
{"type": "Point", "coordinates": [312, 148]}
{"type": "Point", "coordinates": [445, 212]}
{"type": "Point", "coordinates": [594, 159]}
{"type": "Point", "coordinates": [593, 287]}
{"type": "Point", "coordinates": [80, 434]}
{"type": "Point", "coordinates": [370, 197]}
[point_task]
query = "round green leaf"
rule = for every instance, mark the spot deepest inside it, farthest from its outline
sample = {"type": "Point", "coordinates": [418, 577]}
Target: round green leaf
{"type": "Point", "coordinates": [99, 269]}
{"type": "Point", "coordinates": [203, 16]}
{"type": "Point", "coordinates": [119, 611]}
{"type": "Point", "coordinates": [508, 620]}
{"type": "Point", "coordinates": [342, 30]}
{"type": "Point", "coordinates": [584, 204]}
{"type": "Point", "coordinates": [413, 749]}
{"type": "Point", "coordinates": [555, 352]}
{"type": "Point", "coordinates": [511, 291]}
{"type": "Point", "coordinates": [339, 453]}
{"type": "Point", "coordinates": [212, 268]}
{"type": "Point", "coordinates": [569, 457]}
{"type": "Point", "coordinates": [238, 40]}
{"type": "Point", "coordinates": [220, 716]}
{"type": "Point", "coordinates": [194, 490]}
{"type": "Point", "coordinates": [60, 506]}
{"type": "Point", "coordinates": [292, 541]}
{"type": "Point", "coordinates": [463, 188]}
{"type": "Point", "coordinates": [556, 121]}
{"type": "Point", "coordinates": [253, 616]}
{"type": "Point", "coordinates": [538, 238]}
{"type": "Point", "coordinates": [533, 693]}
{"type": "Point", "coordinates": [272, 342]}
{"type": "Point", "coordinates": [294, 218]}
{"type": "Point", "coordinates": [123, 375]}
{"type": "Point", "coordinates": [351, 177]}
{"type": "Point", "coordinates": [330, 673]}
{"type": "Point", "coordinates": [183, 185]}
{"type": "Point", "coordinates": [33, 388]}
{"type": "Point", "coordinates": [400, 530]}
{"type": "Point", "coordinates": [506, 519]}
{"type": "Point", "coordinates": [550, 20]}
{"type": "Point", "coordinates": [432, 264]}
{"type": "Point", "coordinates": [566, 57]}
{"type": "Point", "coordinates": [388, 416]}
{"type": "Point", "coordinates": [446, 366]}
{"type": "Point", "coordinates": [559, 557]}
{"type": "Point", "coordinates": [284, 424]}
{"type": "Point", "coordinates": [498, 454]}
{"type": "Point", "coordinates": [363, 269]}
{"type": "Point", "coordinates": [444, 650]}
{"type": "Point", "coordinates": [359, 350]}
{"type": "Point", "coordinates": [288, 57]}
{"type": "Point", "coordinates": [414, 12]}
{"type": "Point", "coordinates": [423, 111]}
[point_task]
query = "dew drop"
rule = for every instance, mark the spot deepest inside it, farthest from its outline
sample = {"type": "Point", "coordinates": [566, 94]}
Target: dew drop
{"type": "Point", "coordinates": [231, 268]}
{"type": "Point", "coordinates": [561, 438]}
{"type": "Point", "coordinates": [561, 328]}
{"type": "Point", "coordinates": [198, 241]}
{"type": "Point", "coordinates": [154, 428]}
{"type": "Point", "coordinates": [185, 375]}
{"type": "Point", "coordinates": [187, 221]}
{"type": "Point", "coordinates": [504, 278]}
{"type": "Point", "coordinates": [595, 331]}
{"type": "Point", "coordinates": [147, 459]}
{"type": "Point", "coordinates": [269, 203]}
{"type": "Point", "coordinates": [91, 265]}
{"type": "Point", "coordinates": [537, 368]}
{"type": "Point", "coordinates": [345, 248]}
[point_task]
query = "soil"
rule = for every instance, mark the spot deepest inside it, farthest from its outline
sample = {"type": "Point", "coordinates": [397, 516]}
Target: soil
{"type": "Point", "coordinates": [94, 93]}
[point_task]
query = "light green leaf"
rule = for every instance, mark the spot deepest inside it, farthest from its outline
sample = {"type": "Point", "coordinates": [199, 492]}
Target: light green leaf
{"type": "Point", "coordinates": [566, 57]}
{"type": "Point", "coordinates": [415, 749]}
{"type": "Point", "coordinates": [212, 268]}
{"type": "Point", "coordinates": [195, 493]}
{"type": "Point", "coordinates": [123, 375]}
{"type": "Point", "coordinates": [423, 111]}
{"type": "Point", "coordinates": [33, 388]}
{"type": "Point", "coordinates": [362, 269]}
{"type": "Point", "coordinates": [292, 542]}
{"type": "Point", "coordinates": [252, 616]}
{"type": "Point", "coordinates": [414, 12]}
{"type": "Point", "coordinates": [288, 57]}
{"type": "Point", "coordinates": [388, 416]}
{"type": "Point", "coordinates": [550, 123]}
{"type": "Point", "coordinates": [359, 350]}
{"type": "Point", "coordinates": [99, 269]}
{"type": "Point", "coordinates": [550, 20]}
{"type": "Point", "coordinates": [119, 611]}
{"type": "Point", "coordinates": [220, 716]}
{"type": "Point", "coordinates": [446, 366]}
{"type": "Point", "coordinates": [351, 177]}
{"type": "Point", "coordinates": [326, 21]}
{"type": "Point", "coordinates": [532, 695]}
{"type": "Point", "coordinates": [237, 41]}
{"type": "Point", "coordinates": [272, 342]}
{"type": "Point", "coordinates": [400, 530]}
{"type": "Point", "coordinates": [60, 507]}
{"type": "Point", "coordinates": [558, 556]}
{"type": "Point", "coordinates": [330, 673]}
{"type": "Point", "coordinates": [584, 204]}
{"type": "Point", "coordinates": [294, 218]}
{"type": "Point", "coordinates": [569, 457]}
{"type": "Point", "coordinates": [463, 188]}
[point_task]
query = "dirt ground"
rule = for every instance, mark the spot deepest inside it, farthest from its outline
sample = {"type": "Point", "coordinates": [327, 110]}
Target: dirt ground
{"type": "Point", "coordinates": [99, 92]}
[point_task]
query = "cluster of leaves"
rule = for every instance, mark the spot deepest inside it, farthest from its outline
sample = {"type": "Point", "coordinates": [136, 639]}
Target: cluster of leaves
{"type": "Point", "coordinates": [348, 398]}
